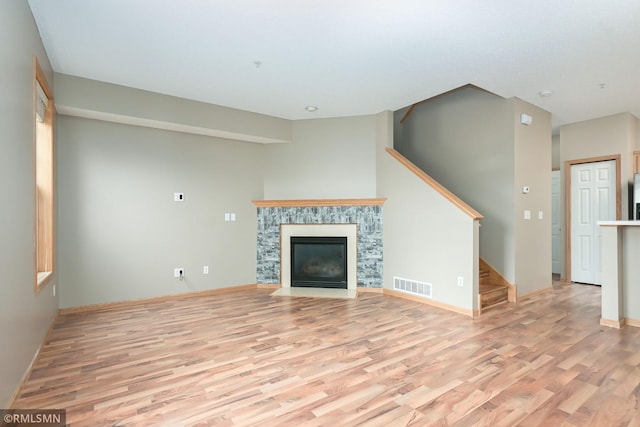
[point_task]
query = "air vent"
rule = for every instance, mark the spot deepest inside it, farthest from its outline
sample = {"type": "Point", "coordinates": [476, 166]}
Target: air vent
{"type": "Point", "coordinates": [412, 287]}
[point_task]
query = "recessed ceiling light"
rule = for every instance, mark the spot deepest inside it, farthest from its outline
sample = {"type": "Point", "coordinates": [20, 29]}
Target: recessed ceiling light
{"type": "Point", "coordinates": [545, 93]}
{"type": "Point", "coordinates": [311, 108]}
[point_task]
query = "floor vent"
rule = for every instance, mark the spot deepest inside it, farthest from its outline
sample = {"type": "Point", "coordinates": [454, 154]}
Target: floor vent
{"type": "Point", "coordinates": [412, 287]}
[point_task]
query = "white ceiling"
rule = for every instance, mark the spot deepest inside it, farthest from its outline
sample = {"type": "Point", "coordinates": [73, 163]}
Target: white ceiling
{"type": "Point", "coordinates": [354, 57]}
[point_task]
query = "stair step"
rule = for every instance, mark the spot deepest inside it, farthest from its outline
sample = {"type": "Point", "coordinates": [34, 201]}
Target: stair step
{"type": "Point", "coordinates": [491, 294]}
{"type": "Point", "coordinates": [485, 277]}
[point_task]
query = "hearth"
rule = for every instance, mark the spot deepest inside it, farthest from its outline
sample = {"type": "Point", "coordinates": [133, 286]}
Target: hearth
{"type": "Point", "coordinates": [319, 262]}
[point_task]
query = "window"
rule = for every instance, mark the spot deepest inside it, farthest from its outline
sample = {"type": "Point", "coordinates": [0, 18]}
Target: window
{"type": "Point", "coordinates": [44, 192]}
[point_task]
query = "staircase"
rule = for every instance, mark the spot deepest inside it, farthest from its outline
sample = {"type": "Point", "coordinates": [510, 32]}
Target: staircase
{"type": "Point", "coordinates": [493, 289]}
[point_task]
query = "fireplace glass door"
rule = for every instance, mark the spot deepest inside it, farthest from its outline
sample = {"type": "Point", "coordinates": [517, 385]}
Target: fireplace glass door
{"type": "Point", "coordinates": [319, 262]}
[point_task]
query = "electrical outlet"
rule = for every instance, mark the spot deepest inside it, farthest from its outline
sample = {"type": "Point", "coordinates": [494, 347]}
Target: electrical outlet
{"type": "Point", "coordinates": [460, 281]}
{"type": "Point", "coordinates": [178, 273]}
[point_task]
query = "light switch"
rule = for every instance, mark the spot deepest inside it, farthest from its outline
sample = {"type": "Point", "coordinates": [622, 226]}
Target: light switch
{"type": "Point", "coordinates": [233, 217]}
{"type": "Point", "coordinates": [527, 214]}
{"type": "Point", "coordinates": [540, 215]}
{"type": "Point", "coordinates": [227, 217]}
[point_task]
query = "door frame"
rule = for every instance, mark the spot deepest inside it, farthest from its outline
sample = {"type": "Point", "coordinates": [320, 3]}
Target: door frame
{"type": "Point", "coordinates": [567, 201]}
{"type": "Point", "coordinates": [557, 169]}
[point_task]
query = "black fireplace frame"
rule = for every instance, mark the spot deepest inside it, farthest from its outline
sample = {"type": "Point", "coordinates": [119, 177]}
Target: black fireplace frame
{"type": "Point", "coordinates": [301, 280]}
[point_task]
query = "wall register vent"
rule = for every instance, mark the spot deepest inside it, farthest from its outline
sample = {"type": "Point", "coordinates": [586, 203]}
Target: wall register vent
{"type": "Point", "coordinates": [412, 287]}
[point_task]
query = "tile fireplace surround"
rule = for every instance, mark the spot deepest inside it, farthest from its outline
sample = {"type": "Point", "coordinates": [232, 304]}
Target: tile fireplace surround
{"type": "Point", "coordinates": [366, 214]}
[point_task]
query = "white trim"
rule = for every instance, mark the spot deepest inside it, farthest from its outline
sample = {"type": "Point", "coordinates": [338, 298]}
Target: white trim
{"type": "Point", "coordinates": [619, 223]}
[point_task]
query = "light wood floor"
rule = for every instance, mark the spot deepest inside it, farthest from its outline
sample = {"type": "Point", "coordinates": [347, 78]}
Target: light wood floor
{"type": "Point", "coordinates": [248, 359]}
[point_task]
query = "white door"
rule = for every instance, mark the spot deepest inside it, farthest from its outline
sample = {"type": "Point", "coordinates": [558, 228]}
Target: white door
{"type": "Point", "coordinates": [593, 199]}
{"type": "Point", "coordinates": [556, 262]}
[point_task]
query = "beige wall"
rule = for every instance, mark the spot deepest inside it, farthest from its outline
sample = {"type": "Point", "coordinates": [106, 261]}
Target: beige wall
{"type": "Point", "coordinates": [472, 142]}
{"type": "Point", "coordinates": [464, 140]}
{"type": "Point", "coordinates": [117, 182]}
{"type": "Point", "coordinates": [605, 136]}
{"type": "Point", "coordinates": [99, 100]}
{"type": "Point", "coordinates": [25, 316]}
{"type": "Point", "coordinates": [532, 169]}
{"type": "Point", "coordinates": [329, 158]}
{"type": "Point", "coordinates": [602, 137]}
{"type": "Point", "coordinates": [555, 152]}
{"type": "Point", "coordinates": [121, 233]}
{"type": "Point", "coordinates": [426, 237]}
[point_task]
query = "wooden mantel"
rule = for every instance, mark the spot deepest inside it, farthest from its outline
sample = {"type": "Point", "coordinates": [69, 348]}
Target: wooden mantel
{"type": "Point", "coordinates": [317, 202]}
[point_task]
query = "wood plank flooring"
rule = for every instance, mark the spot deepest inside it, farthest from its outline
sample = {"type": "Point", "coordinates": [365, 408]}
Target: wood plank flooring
{"type": "Point", "coordinates": [248, 359]}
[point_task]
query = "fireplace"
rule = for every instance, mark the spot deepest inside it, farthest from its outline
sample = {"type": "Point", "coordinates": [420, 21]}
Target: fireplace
{"type": "Point", "coordinates": [348, 231]}
{"type": "Point", "coordinates": [319, 262]}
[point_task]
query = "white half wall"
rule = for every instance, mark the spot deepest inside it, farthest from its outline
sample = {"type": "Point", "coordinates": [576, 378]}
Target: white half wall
{"type": "Point", "coordinates": [620, 271]}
